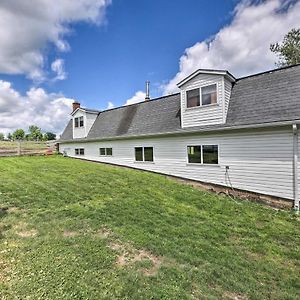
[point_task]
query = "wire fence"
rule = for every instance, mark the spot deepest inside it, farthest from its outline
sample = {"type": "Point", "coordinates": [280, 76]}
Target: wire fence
{"type": "Point", "coordinates": [17, 148]}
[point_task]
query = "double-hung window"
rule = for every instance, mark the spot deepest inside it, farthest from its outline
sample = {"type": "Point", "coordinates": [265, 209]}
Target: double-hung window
{"type": "Point", "coordinates": [203, 154]}
{"type": "Point", "coordinates": [79, 151]}
{"type": "Point", "coordinates": [143, 153]}
{"type": "Point", "coordinates": [105, 151]}
{"type": "Point", "coordinates": [202, 96]}
{"type": "Point", "coordinates": [78, 122]}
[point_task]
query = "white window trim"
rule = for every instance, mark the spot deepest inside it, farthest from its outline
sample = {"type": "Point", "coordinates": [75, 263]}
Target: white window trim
{"type": "Point", "coordinates": [105, 149]}
{"type": "Point", "coordinates": [200, 96]}
{"type": "Point", "coordinates": [202, 164]}
{"type": "Point", "coordinates": [79, 122]}
{"type": "Point", "coordinates": [79, 152]}
{"type": "Point", "coordinates": [143, 152]}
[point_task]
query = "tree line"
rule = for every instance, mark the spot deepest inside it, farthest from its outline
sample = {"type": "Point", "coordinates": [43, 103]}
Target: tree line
{"type": "Point", "coordinates": [34, 133]}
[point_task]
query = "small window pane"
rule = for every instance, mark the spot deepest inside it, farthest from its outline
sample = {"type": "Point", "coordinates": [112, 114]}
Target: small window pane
{"type": "Point", "coordinates": [76, 151]}
{"type": "Point", "coordinates": [210, 154]}
{"type": "Point", "coordinates": [102, 151]}
{"type": "Point", "coordinates": [209, 94]}
{"type": "Point", "coordinates": [81, 151]}
{"type": "Point", "coordinates": [194, 154]}
{"type": "Point", "coordinates": [76, 122]}
{"type": "Point", "coordinates": [148, 153]}
{"type": "Point", "coordinates": [109, 151]}
{"type": "Point", "coordinates": [193, 98]}
{"type": "Point", "coordinates": [81, 122]}
{"type": "Point", "coordinates": [139, 154]}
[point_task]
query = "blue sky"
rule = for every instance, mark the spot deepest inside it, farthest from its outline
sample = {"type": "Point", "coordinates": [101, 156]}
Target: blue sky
{"type": "Point", "coordinates": [100, 52]}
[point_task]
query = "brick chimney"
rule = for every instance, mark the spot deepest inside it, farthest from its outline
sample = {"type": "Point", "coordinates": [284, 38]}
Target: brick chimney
{"type": "Point", "coordinates": [75, 105]}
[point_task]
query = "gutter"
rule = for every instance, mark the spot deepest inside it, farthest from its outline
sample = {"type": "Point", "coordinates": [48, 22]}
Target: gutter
{"type": "Point", "coordinates": [295, 168]}
{"type": "Point", "coordinates": [183, 132]}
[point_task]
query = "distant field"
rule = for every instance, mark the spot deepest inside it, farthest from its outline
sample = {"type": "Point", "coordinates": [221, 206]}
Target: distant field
{"type": "Point", "coordinates": [72, 229]}
{"type": "Point", "coordinates": [8, 148]}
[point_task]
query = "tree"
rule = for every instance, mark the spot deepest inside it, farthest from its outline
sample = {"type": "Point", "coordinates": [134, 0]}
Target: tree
{"type": "Point", "coordinates": [289, 50]}
{"type": "Point", "coordinates": [35, 133]}
{"type": "Point", "coordinates": [9, 136]}
{"type": "Point", "coordinates": [1, 136]}
{"type": "Point", "coordinates": [50, 136]}
{"type": "Point", "coordinates": [19, 134]}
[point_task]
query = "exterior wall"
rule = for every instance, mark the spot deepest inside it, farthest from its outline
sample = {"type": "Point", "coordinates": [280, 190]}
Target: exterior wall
{"type": "Point", "coordinates": [227, 94]}
{"type": "Point", "coordinates": [203, 115]}
{"type": "Point", "coordinates": [88, 119]}
{"type": "Point", "coordinates": [258, 160]}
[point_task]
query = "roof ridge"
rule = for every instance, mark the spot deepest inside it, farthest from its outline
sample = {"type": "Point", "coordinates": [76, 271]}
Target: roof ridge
{"type": "Point", "coordinates": [268, 71]}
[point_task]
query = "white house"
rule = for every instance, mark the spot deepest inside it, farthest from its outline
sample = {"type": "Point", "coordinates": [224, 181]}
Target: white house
{"type": "Point", "coordinates": [218, 129]}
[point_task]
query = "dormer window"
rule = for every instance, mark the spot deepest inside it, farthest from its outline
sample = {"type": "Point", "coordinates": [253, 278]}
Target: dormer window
{"type": "Point", "coordinates": [209, 94]}
{"type": "Point", "coordinates": [205, 95]}
{"type": "Point", "coordinates": [78, 122]}
{"type": "Point", "coordinates": [193, 98]}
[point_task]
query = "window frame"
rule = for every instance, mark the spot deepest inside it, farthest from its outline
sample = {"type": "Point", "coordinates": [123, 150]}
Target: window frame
{"type": "Point", "coordinates": [79, 150]}
{"type": "Point", "coordinates": [200, 94]}
{"type": "Point", "coordinates": [105, 151]}
{"type": "Point", "coordinates": [79, 120]}
{"type": "Point", "coordinates": [143, 154]}
{"type": "Point", "coordinates": [202, 163]}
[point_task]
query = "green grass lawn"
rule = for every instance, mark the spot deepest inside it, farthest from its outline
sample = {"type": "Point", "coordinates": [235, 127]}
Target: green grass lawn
{"type": "Point", "coordinates": [72, 229]}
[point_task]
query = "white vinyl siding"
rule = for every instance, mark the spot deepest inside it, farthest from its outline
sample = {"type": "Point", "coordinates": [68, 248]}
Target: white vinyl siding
{"type": "Point", "coordinates": [258, 160]}
{"type": "Point", "coordinates": [227, 94]}
{"type": "Point", "coordinates": [206, 114]}
{"type": "Point", "coordinates": [88, 121]}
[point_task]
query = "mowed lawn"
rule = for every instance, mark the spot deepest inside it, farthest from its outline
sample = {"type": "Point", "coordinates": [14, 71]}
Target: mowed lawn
{"type": "Point", "coordinates": [72, 229]}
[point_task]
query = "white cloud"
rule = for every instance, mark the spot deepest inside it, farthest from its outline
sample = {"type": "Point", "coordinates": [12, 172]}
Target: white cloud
{"type": "Point", "coordinates": [138, 97]}
{"type": "Point", "coordinates": [110, 105]}
{"type": "Point", "coordinates": [48, 111]}
{"type": "Point", "coordinates": [28, 27]}
{"type": "Point", "coordinates": [57, 66]}
{"type": "Point", "coordinates": [242, 47]}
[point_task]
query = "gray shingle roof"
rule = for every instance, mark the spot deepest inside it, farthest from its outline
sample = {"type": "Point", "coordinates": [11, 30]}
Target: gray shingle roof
{"type": "Point", "coordinates": [263, 98]}
{"type": "Point", "coordinates": [268, 97]}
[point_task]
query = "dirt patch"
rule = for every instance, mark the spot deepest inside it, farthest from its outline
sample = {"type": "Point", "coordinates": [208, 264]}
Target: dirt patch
{"type": "Point", "coordinates": [68, 233]}
{"type": "Point", "coordinates": [234, 296]}
{"type": "Point", "coordinates": [128, 255]}
{"type": "Point", "coordinates": [27, 233]}
{"type": "Point", "coordinates": [104, 232]}
{"type": "Point", "coordinates": [22, 230]}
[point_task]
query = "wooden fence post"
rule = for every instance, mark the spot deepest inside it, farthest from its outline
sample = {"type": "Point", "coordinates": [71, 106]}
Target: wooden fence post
{"type": "Point", "coordinates": [19, 147]}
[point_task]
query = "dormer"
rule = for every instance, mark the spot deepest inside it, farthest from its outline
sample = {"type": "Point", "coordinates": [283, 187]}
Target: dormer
{"type": "Point", "coordinates": [83, 120]}
{"type": "Point", "coordinates": [205, 97]}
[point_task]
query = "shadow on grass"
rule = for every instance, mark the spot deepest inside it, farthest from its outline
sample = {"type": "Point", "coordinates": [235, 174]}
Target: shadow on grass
{"type": "Point", "coordinates": [3, 227]}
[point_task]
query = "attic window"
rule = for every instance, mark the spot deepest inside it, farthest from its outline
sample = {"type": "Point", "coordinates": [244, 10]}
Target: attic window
{"type": "Point", "coordinates": [193, 98]}
{"type": "Point", "coordinates": [78, 122]}
{"type": "Point", "coordinates": [209, 94]}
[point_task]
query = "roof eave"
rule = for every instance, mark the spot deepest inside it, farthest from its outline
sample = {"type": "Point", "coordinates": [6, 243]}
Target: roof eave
{"type": "Point", "coordinates": [181, 132]}
{"type": "Point", "coordinates": [203, 71]}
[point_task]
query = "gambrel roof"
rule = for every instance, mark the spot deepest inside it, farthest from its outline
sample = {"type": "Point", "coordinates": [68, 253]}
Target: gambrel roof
{"type": "Point", "coordinates": [264, 98]}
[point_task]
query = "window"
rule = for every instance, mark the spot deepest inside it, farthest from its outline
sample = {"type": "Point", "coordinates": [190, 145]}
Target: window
{"type": "Point", "coordinates": [144, 153]}
{"type": "Point", "coordinates": [209, 94]}
{"type": "Point", "coordinates": [105, 151]}
{"type": "Point", "coordinates": [193, 98]}
{"type": "Point", "coordinates": [194, 154]}
{"type": "Point", "coordinates": [78, 122]}
{"type": "Point", "coordinates": [203, 154]}
{"type": "Point", "coordinates": [210, 154]}
{"type": "Point", "coordinates": [79, 151]}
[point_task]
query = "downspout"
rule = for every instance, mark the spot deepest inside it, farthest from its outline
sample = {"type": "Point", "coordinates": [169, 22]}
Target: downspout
{"type": "Point", "coordinates": [295, 168]}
